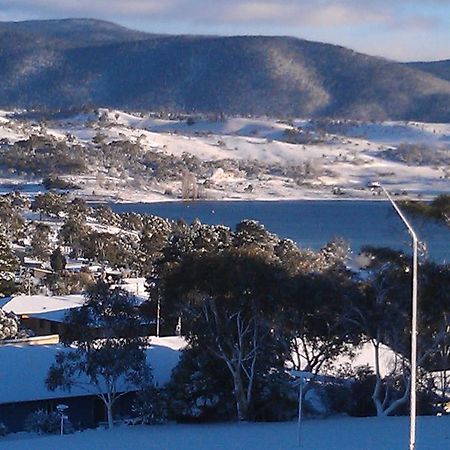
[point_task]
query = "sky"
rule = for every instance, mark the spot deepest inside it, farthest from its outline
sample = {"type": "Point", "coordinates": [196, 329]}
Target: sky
{"type": "Point", "coordinates": [405, 30]}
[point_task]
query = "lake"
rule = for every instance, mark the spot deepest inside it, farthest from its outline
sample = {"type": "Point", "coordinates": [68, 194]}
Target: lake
{"type": "Point", "coordinates": [311, 223]}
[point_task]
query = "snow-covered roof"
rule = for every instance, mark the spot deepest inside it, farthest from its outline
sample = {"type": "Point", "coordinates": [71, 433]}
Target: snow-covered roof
{"type": "Point", "coordinates": [24, 368]}
{"type": "Point", "coordinates": [135, 286]}
{"type": "Point", "coordinates": [30, 260]}
{"type": "Point", "coordinates": [36, 304]}
{"type": "Point", "coordinates": [75, 265]}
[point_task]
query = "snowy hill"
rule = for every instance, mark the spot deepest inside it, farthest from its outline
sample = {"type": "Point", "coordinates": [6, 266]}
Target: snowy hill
{"type": "Point", "coordinates": [125, 156]}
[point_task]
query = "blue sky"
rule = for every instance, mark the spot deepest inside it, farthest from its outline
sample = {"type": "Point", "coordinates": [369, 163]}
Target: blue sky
{"type": "Point", "coordinates": [398, 29]}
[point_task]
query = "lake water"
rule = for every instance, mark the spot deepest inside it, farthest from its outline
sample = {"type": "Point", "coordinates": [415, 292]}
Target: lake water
{"type": "Point", "coordinates": [312, 223]}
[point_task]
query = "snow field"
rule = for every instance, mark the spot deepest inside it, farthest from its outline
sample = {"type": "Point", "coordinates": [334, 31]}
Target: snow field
{"type": "Point", "coordinates": [391, 433]}
{"type": "Point", "coordinates": [348, 160]}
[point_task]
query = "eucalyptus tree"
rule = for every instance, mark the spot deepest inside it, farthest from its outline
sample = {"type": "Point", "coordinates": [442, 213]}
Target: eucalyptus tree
{"type": "Point", "coordinates": [383, 314]}
{"type": "Point", "coordinates": [229, 302]}
{"type": "Point", "coordinates": [105, 352]}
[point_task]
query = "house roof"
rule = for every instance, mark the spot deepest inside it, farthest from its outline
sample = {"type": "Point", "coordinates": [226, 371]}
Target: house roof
{"type": "Point", "coordinates": [37, 304]}
{"type": "Point", "coordinates": [24, 369]}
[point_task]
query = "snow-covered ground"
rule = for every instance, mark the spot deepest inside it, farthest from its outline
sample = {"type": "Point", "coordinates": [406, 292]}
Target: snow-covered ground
{"type": "Point", "coordinates": [433, 433]}
{"type": "Point", "coordinates": [345, 160]}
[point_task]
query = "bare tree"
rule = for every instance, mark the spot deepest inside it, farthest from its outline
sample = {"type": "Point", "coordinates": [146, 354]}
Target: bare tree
{"type": "Point", "coordinates": [189, 187]}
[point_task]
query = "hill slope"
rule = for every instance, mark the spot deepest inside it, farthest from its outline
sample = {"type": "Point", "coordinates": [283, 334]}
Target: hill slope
{"type": "Point", "coordinates": [440, 69]}
{"type": "Point", "coordinates": [72, 63]}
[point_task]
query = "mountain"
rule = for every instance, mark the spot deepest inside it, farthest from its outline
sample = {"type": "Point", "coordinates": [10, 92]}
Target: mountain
{"type": "Point", "coordinates": [66, 33]}
{"type": "Point", "coordinates": [84, 62]}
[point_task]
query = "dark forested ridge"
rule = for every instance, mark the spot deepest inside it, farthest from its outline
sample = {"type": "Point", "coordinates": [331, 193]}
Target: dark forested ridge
{"type": "Point", "coordinates": [85, 62]}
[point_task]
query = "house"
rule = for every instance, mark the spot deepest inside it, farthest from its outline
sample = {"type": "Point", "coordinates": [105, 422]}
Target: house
{"type": "Point", "coordinates": [25, 367]}
{"type": "Point", "coordinates": [134, 286]}
{"type": "Point", "coordinates": [42, 314]}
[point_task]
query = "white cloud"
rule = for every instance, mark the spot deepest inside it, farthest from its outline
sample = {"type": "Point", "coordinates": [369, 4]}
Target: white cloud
{"type": "Point", "coordinates": [89, 8]}
{"type": "Point", "coordinates": [300, 12]}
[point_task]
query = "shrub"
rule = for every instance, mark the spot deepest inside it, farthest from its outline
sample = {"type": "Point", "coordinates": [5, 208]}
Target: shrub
{"type": "Point", "coordinates": [418, 154]}
{"type": "Point", "coordinates": [199, 389]}
{"type": "Point", "coordinates": [9, 325]}
{"type": "Point", "coordinates": [42, 422]}
{"type": "Point", "coordinates": [3, 429]}
{"type": "Point", "coordinates": [276, 399]}
{"type": "Point", "coordinates": [150, 406]}
{"type": "Point", "coordinates": [52, 182]}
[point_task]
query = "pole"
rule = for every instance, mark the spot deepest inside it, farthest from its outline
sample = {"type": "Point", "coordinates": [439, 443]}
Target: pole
{"type": "Point", "coordinates": [413, 407]}
{"type": "Point", "coordinates": [300, 406]}
{"type": "Point", "coordinates": [413, 403]}
{"type": "Point", "coordinates": [158, 316]}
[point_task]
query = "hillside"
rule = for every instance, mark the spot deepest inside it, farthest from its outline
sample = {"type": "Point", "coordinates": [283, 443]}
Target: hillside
{"type": "Point", "coordinates": [119, 156]}
{"type": "Point", "coordinates": [439, 69]}
{"type": "Point", "coordinates": [74, 63]}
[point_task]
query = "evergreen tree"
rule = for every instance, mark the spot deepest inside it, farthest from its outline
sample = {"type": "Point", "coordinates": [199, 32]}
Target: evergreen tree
{"type": "Point", "coordinates": [8, 264]}
{"type": "Point", "coordinates": [40, 241]}
{"type": "Point", "coordinates": [8, 261]}
{"type": "Point", "coordinates": [57, 260]}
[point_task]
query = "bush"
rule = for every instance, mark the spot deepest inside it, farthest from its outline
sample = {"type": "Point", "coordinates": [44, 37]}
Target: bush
{"type": "Point", "coordinates": [418, 154]}
{"type": "Point", "coordinates": [339, 396]}
{"type": "Point", "coordinates": [200, 390]}
{"type": "Point", "coordinates": [3, 429]}
{"type": "Point", "coordinates": [276, 399]}
{"type": "Point", "coordinates": [42, 422]}
{"type": "Point", "coordinates": [58, 183]}
{"type": "Point", "coordinates": [9, 325]}
{"type": "Point", "coordinates": [150, 407]}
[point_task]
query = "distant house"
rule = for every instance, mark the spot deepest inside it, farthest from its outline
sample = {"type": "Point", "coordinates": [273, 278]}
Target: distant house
{"type": "Point", "coordinates": [32, 263]}
{"type": "Point", "coordinates": [135, 286]}
{"type": "Point", "coordinates": [43, 314]}
{"type": "Point", "coordinates": [23, 371]}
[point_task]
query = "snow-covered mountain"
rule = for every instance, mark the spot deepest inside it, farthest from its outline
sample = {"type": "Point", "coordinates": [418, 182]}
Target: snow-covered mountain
{"type": "Point", "coordinates": [73, 63]}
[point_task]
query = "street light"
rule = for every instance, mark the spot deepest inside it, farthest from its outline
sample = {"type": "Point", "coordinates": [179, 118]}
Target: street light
{"type": "Point", "coordinates": [415, 241]}
{"type": "Point", "coordinates": [300, 377]}
{"type": "Point", "coordinates": [61, 409]}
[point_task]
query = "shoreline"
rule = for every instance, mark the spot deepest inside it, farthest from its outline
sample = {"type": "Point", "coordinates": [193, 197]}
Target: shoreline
{"type": "Point", "coordinates": [261, 199]}
{"type": "Point", "coordinates": [131, 196]}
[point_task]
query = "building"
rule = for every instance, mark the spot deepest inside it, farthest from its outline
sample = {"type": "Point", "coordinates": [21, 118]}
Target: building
{"type": "Point", "coordinates": [42, 314]}
{"type": "Point", "coordinates": [24, 370]}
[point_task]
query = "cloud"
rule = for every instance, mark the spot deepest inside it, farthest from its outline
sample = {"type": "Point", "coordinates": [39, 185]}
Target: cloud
{"type": "Point", "coordinates": [322, 13]}
{"type": "Point", "coordinates": [325, 14]}
{"type": "Point", "coordinates": [88, 8]}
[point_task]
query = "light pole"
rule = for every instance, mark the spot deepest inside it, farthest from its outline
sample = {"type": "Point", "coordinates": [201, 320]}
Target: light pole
{"type": "Point", "coordinates": [61, 410]}
{"type": "Point", "coordinates": [300, 410]}
{"type": "Point", "coordinates": [300, 377]}
{"type": "Point", "coordinates": [413, 407]}
{"type": "Point", "coordinates": [158, 316]}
